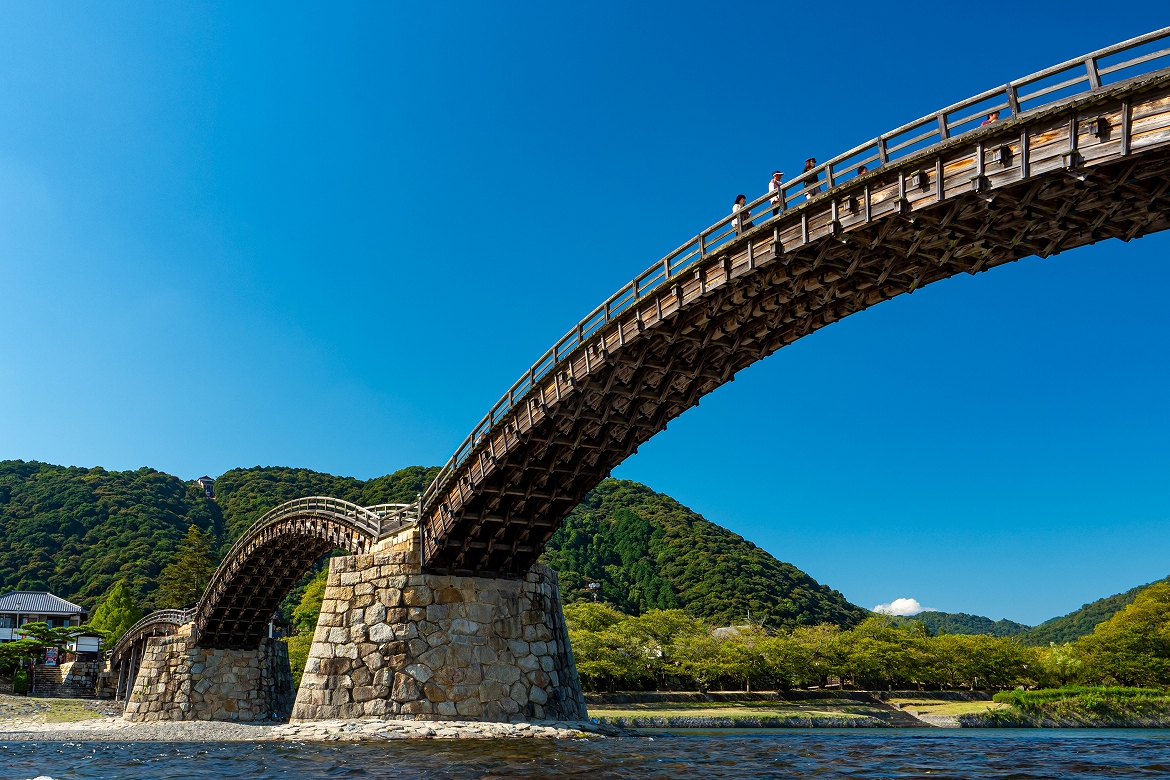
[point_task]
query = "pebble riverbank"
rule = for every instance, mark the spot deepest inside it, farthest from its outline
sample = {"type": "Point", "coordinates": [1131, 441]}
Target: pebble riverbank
{"type": "Point", "coordinates": [365, 730]}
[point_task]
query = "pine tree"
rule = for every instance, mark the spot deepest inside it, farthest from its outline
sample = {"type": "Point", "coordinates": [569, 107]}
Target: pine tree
{"type": "Point", "coordinates": [182, 582]}
{"type": "Point", "coordinates": [117, 612]}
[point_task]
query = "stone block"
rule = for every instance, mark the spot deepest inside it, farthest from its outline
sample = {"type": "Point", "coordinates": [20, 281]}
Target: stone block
{"type": "Point", "coordinates": [492, 690]}
{"type": "Point", "coordinates": [406, 688]}
{"type": "Point", "coordinates": [434, 693]}
{"type": "Point", "coordinates": [419, 672]}
{"type": "Point", "coordinates": [480, 613]}
{"type": "Point", "coordinates": [375, 613]}
{"type": "Point", "coordinates": [462, 626]}
{"type": "Point", "coordinates": [417, 596]}
{"type": "Point", "coordinates": [505, 673]}
{"type": "Point", "coordinates": [469, 708]}
{"type": "Point", "coordinates": [449, 595]}
{"type": "Point", "coordinates": [381, 632]}
{"type": "Point", "coordinates": [418, 707]}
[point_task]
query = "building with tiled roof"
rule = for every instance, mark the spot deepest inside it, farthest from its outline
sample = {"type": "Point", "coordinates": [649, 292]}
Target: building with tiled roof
{"type": "Point", "coordinates": [32, 606]}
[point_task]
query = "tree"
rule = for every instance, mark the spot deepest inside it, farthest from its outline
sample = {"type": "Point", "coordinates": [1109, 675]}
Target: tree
{"type": "Point", "coordinates": [1133, 646]}
{"type": "Point", "coordinates": [38, 637]}
{"type": "Point", "coordinates": [305, 614]}
{"type": "Point", "coordinates": [185, 578]}
{"type": "Point", "coordinates": [117, 613]}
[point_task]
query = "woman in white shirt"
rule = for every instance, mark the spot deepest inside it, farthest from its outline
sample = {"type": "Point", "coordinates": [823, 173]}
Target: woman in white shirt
{"type": "Point", "coordinates": [741, 221]}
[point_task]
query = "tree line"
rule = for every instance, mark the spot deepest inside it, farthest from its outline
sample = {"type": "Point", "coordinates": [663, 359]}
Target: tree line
{"type": "Point", "coordinates": [669, 649]}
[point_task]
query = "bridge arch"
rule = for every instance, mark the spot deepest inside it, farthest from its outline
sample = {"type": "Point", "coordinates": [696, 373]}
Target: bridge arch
{"type": "Point", "coordinates": [1074, 160]}
{"type": "Point", "coordinates": [273, 554]}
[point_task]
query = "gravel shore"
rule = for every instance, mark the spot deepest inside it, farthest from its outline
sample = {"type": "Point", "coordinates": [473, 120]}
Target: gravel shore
{"type": "Point", "coordinates": [367, 730]}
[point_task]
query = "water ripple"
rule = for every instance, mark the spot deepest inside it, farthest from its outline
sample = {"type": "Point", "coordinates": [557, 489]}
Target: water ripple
{"type": "Point", "coordinates": [923, 755]}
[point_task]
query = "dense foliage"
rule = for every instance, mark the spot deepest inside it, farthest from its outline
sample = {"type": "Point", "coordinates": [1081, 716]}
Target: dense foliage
{"type": "Point", "coordinates": [647, 551]}
{"type": "Point", "coordinates": [1081, 622]}
{"type": "Point", "coordinates": [1093, 706]}
{"type": "Point", "coordinates": [77, 531]}
{"type": "Point", "coordinates": [962, 623]}
{"type": "Point", "coordinates": [116, 614]}
{"type": "Point", "coordinates": [669, 649]}
{"type": "Point", "coordinates": [184, 579]}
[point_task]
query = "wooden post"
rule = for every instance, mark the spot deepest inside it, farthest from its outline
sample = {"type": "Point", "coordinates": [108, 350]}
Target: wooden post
{"type": "Point", "coordinates": [1094, 74]}
{"type": "Point", "coordinates": [1125, 126]}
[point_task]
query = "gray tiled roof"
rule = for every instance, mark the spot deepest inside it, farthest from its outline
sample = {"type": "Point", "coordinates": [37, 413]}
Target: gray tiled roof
{"type": "Point", "coordinates": [37, 602]}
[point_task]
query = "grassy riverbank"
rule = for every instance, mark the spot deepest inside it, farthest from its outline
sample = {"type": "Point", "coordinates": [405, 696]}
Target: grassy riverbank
{"type": "Point", "coordinates": [1076, 707]}
{"type": "Point", "coordinates": [33, 710]}
{"type": "Point", "coordinates": [828, 712]}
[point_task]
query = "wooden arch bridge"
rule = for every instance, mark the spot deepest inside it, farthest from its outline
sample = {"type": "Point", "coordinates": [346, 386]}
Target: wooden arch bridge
{"type": "Point", "coordinates": [1080, 152]}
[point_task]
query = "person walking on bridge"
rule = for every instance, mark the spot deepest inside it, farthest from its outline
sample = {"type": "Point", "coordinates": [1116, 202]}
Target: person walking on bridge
{"type": "Point", "coordinates": [777, 195]}
{"type": "Point", "coordinates": [811, 187]}
{"type": "Point", "coordinates": [741, 215]}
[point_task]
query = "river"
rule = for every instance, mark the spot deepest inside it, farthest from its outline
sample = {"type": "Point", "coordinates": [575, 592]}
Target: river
{"type": "Point", "coordinates": [823, 753]}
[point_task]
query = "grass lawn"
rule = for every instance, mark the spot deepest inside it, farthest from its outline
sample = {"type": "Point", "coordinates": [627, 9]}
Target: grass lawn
{"type": "Point", "coordinates": [846, 708]}
{"type": "Point", "coordinates": [939, 707]}
{"type": "Point", "coordinates": [52, 710]}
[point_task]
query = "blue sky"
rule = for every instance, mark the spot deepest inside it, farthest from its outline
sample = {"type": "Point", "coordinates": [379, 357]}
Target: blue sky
{"type": "Point", "coordinates": [331, 237]}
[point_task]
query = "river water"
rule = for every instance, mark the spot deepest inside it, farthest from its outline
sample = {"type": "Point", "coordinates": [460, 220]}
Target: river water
{"type": "Point", "coordinates": [822, 753]}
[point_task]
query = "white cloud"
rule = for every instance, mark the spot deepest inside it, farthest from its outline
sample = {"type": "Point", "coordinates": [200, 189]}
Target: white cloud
{"type": "Point", "coordinates": [902, 607]}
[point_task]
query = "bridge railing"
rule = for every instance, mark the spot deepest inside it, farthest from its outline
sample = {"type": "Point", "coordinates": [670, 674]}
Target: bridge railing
{"type": "Point", "coordinates": [171, 616]}
{"type": "Point", "coordinates": [1133, 58]}
{"type": "Point", "coordinates": [394, 517]}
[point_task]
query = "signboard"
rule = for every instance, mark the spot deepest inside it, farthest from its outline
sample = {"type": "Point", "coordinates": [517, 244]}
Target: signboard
{"type": "Point", "coordinates": [51, 656]}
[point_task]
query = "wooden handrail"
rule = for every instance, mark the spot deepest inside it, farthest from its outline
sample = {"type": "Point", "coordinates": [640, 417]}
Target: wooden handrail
{"type": "Point", "coordinates": [828, 176]}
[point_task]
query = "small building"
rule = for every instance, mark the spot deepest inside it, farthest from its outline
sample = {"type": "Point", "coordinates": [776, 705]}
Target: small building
{"type": "Point", "coordinates": [208, 485]}
{"type": "Point", "coordinates": [40, 606]}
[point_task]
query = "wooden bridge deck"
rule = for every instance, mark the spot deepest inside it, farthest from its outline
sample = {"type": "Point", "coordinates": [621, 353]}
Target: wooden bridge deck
{"type": "Point", "coordinates": [1069, 172]}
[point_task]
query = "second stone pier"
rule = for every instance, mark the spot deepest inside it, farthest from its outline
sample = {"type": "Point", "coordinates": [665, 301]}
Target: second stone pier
{"type": "Point", "coordinates": [393, 641]}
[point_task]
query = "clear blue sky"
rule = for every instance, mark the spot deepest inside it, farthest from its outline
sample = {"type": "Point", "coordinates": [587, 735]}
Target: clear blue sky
{"type": "Point", "coordinates": [330, 237]}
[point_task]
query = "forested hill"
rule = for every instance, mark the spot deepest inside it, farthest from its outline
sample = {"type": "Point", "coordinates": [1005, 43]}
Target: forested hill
{"type": "Point", "coordinates": [1082, 621]}
{"type": "Point", "coordinates": [647, 551]}
{"type": "Point", "coordinates": [77, 531]}
{"type": "Point", "coordinates": [962, 623]}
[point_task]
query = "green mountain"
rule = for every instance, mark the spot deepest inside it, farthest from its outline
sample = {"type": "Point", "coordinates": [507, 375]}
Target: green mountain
{"type": "Point", "coordinates": [77, 531]}
{"type": "Point", "coordinates": [647, 551]}
{"type": "Point", "coordinates": [962, 623]}
{"type": "Point", "coordinates": [1082, 621]}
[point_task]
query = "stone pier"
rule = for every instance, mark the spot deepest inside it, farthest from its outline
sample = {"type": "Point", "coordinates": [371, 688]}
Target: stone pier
{"type": "Point", "coordinates": [393, 642]}
{"type": "Point", "coordinates": [179, 681]}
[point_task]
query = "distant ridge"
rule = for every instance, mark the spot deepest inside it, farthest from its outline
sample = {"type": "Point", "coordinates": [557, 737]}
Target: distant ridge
{"type": "Point", "coordinates": [962, 623]}
{"type": "Point", "coordinates": [1082, 621]}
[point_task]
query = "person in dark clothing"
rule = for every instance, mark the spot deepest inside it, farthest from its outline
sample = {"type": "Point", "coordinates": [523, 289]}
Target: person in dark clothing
{"type": "Point", "coordinates": [811, 187]}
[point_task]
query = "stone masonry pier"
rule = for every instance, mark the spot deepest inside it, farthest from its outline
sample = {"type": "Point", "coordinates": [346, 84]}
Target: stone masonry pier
{"type": "Point", "coordinates": [394, 642]}
{"type": "Point", "coordinates": [180, 681]}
